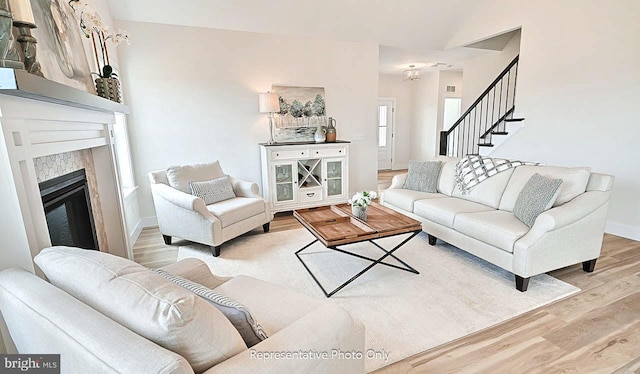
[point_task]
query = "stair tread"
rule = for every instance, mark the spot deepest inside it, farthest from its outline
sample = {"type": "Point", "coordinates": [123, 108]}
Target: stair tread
{"type": "Point", "coordinates": [499, 133]}
{"type": "Point", "coordinates": [513, 119]}
{"type": "Point", "coordinates": [485, 145]}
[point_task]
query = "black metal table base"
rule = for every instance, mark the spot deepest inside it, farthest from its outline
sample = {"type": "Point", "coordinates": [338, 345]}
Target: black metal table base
{"type": "Point", "coordinates": [374, 261]}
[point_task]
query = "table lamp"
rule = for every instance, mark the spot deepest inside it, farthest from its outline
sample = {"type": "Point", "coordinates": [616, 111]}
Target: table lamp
{"type": "Point", "coordinates": [269, 104]}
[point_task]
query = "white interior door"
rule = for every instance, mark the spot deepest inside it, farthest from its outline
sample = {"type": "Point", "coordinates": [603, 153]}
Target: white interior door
{"type": "Point", "coordinates": [385, 134]}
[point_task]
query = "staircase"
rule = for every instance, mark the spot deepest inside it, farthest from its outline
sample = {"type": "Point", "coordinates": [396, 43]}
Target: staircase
{"type": "Point", "coordinates": [488, 122]}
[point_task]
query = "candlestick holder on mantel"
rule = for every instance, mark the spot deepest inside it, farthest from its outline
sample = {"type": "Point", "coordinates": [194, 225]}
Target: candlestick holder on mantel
{"type": "Point", "coordinates": [24, 21]}
{"type": "Point", "coordinates": [9, 54]}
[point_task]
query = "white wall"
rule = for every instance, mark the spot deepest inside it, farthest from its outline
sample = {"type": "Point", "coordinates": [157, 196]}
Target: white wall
{"type": "Point", "coordinates": [393, 86]}
{"type": "Point", "coordinates": [424, 133]}
{"type": "Point", "coordinates": [481, 71]}
{"type": "Point", "coordinates": [578, 84]}
{"type": "Point", "coordinates": [447, 78]}
{"type": "Point", "coordinates": [193, 94]}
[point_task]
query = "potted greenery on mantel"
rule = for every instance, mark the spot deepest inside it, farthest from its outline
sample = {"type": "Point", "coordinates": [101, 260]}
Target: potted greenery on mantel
{"type": "Point", "coordinates": [91, 24]}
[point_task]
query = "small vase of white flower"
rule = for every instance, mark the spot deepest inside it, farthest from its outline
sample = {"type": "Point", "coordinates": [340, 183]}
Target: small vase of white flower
{"type": "Point", "coordinates": [359, 203]}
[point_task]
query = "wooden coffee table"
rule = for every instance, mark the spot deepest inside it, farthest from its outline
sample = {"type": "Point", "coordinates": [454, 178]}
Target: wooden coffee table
{"type": "Point", "coordinates": [335, 226]}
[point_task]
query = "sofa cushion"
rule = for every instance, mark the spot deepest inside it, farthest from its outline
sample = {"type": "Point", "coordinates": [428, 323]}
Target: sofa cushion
{"type": "Point", "coordinates": [488, 192]}
{"type": "Point", "coordinates": [444, 211]}
{"type": "Point", "coordinates": [239, 315]}
{"type": "Point", "coordinates": [237, 209]}
{"type": "Point", "coordinates": [423, 176]}
{"type": "Point", "coordinates": [537, 195]}
{"type": "Point", "coordinates": [145, 303]}
{"type": "Point", "coordinates": [275, 307]}
{"type": "Point", "coordinates": [447, 181]}
{"type": "Point", "coordinates": [180, 176]}
{"type": "Point", "coordinates": [574, 183]}
{"type": "Point", "coordinates": [214, 190]}
{"type": "Point", "coordinates": [404, 199]}
{"type": "Point", "coordinates": [498, 228]}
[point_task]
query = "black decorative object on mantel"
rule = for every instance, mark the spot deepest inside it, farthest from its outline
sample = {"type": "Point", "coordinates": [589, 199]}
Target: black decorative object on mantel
{"type": "Point", "coordinates": [107, 83]}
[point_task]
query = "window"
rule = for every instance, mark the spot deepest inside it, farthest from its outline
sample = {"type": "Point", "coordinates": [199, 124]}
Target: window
{"type": "Point", "coordinates": [382, 125]}
{"type": "Point", "coordinates": [123, 155]}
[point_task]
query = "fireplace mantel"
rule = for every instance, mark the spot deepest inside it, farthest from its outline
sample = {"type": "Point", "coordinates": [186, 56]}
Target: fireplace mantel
{"type": "Point", "coordinates": [20, 83]}
{"type": "Point", "coordinates": [39, 118]}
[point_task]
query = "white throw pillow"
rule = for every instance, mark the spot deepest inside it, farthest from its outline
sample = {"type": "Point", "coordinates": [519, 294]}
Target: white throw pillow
{"type": "Point", "coordinates": [213, 191]}
{"type": "Point", "coordinates": [239, 315]}
{"type": "Point", "coordinates": [145, 303]}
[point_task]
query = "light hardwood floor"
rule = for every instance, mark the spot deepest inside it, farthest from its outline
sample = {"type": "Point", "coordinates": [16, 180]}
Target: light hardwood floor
{"type": "Point", "coordinates": [596, 330]}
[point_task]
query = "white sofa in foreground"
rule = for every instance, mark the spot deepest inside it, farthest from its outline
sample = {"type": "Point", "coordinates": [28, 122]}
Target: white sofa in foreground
{"type": "Point", "coordinates": [106, 314]}
{"type": "Point", "coordinates": [482, 221]}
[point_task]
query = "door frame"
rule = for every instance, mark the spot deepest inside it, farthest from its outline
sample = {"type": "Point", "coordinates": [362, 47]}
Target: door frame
{"type": "Point", "coordinates": [393, 129]}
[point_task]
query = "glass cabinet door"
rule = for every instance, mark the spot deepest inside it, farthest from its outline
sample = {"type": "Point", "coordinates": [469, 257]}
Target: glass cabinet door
{"type": "Point", "coordinates": [334, 169]}
{"type": "Point", "coordinates": [285, 182]}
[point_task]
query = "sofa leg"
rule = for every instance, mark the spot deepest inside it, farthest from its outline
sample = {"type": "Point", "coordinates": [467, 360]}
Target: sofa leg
{"type": "Point", "coordinates": [589, 266]}
{"type": "Point", "coordinates": [266, 226]}
{"type": "Point", "coordinates": [215, 250]}
{"type": "Point", "coordinates": [432, 239]}
{"type": "Point", "coordinates": [167, 239]}
{"type": "Point", "coordinates": [522, 283]}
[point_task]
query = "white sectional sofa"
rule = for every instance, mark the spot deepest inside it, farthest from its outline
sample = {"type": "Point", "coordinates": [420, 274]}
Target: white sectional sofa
{"type": "Point", "coordinates": [482, 222]}
{"type": "Point", "coordinates": [106, 314]}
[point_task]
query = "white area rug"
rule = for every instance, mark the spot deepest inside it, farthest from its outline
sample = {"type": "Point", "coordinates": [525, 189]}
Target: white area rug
{"type": "Point", "coordinates": [454, 295]}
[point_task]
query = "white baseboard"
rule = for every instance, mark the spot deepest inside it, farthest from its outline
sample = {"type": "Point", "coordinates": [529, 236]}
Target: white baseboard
{"type": "Point", "coordinates": [626, 231]}
{"type": "Point", "coordinates": [144, 222]}
{"type": "Point", "coordinates": [150, 221]}
{"type": "Point", "coordinates": [400, 166]}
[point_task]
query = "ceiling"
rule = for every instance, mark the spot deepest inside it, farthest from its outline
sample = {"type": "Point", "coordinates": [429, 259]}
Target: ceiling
{"type": "Point", "coordinates": [408, 31]}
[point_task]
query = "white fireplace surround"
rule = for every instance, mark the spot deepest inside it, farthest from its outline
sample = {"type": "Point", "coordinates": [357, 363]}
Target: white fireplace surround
{"type": "Point", "coordinates": [33, 128]}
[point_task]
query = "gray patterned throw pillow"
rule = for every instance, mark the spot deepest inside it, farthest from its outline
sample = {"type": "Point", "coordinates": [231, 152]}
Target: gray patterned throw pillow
{"type": "Point", "coordinates": [423, 176]}
{"type": "Point", "coordinates": [213, 191]}
{"type": "Point", "coordinates": [537, 195]}
{"type": "Point", "coordinates": [239, 316]}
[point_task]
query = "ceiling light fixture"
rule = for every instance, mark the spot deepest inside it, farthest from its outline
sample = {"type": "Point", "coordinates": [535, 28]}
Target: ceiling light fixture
{"type": "Point", "coordinates": [412, 74]}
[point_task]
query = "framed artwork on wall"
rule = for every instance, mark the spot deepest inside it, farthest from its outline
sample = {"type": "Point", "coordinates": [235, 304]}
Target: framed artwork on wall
{"type": "Point", "coordinates": [302, 110]}
{"type": "Point", "coordinates": [61, 51]}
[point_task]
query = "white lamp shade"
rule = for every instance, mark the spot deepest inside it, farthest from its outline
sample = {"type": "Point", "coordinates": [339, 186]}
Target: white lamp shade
{"type": "Point", "coordinates": [22, 12]}
{"type": "Point", "coordinates": [269, 102]}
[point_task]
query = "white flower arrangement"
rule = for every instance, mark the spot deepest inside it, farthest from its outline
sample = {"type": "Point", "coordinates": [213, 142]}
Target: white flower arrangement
{"type": "Point", "coordinates": [362, 199]}
{"type": "Point", "coordinates": [93, 27]}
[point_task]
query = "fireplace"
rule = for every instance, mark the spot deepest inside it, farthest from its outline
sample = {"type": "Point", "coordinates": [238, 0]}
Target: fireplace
{"type": "Point", "coordinates": [68, 213]}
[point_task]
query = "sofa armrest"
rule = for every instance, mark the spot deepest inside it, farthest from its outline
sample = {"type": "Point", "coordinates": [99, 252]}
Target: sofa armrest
{"type": "Point", "coordinates": [398, 180]}
{"type": "Point", "coordinates": [195, 270]}
{"type": "Point", "coordinates": [571, 211]}
{"type": "Point", "coordinates": [245, 189]}
{"type": "Point", "coordinates": [182, 200]}
{"type": "Point", "coordinates": [44, 319]}
{"type": "Point", "coordinates": [323, 330]}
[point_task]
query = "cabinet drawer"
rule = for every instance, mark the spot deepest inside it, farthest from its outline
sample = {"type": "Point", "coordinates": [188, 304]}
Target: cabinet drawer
{"type": "Point", "coordinates": [289, 154]}
{"type": "Point", "coordinates": [329, 152]}
{"type": "Point", "coordinates": [309, 194]}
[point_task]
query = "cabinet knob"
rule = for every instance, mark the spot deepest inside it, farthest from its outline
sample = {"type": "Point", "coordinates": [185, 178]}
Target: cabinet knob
{"type": "Point", "coordinates": [302, 153]}
{"type": "Point", "coordinates": [340, 151]}
{"type": "Point", "coordinates": [277, 154]}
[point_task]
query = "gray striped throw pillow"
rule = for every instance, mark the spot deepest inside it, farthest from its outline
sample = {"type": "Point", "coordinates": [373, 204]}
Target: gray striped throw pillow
{"type": "Point", "coordinates": [423, 176]}
{"type": "Point", "coordinates": [239, 316]}
{"type": "Point", "coordinates": [213, 191]}
{"type": "Point", "coordinates": [537, 195]}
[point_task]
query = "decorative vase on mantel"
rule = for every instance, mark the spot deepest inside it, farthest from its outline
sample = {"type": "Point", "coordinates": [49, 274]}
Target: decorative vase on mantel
{"type": "Point", "coordinates": [359, 212]}
{"type": "Point", "coordinates": [109, 88]}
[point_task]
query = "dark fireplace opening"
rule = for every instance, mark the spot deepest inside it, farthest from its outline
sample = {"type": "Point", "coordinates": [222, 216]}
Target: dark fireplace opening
{"type": "Point", "coordinates": [67, 207]}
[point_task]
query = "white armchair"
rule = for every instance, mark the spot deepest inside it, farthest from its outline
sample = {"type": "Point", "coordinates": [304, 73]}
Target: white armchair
{"type": "Point", "coordinates": [187, 216]}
